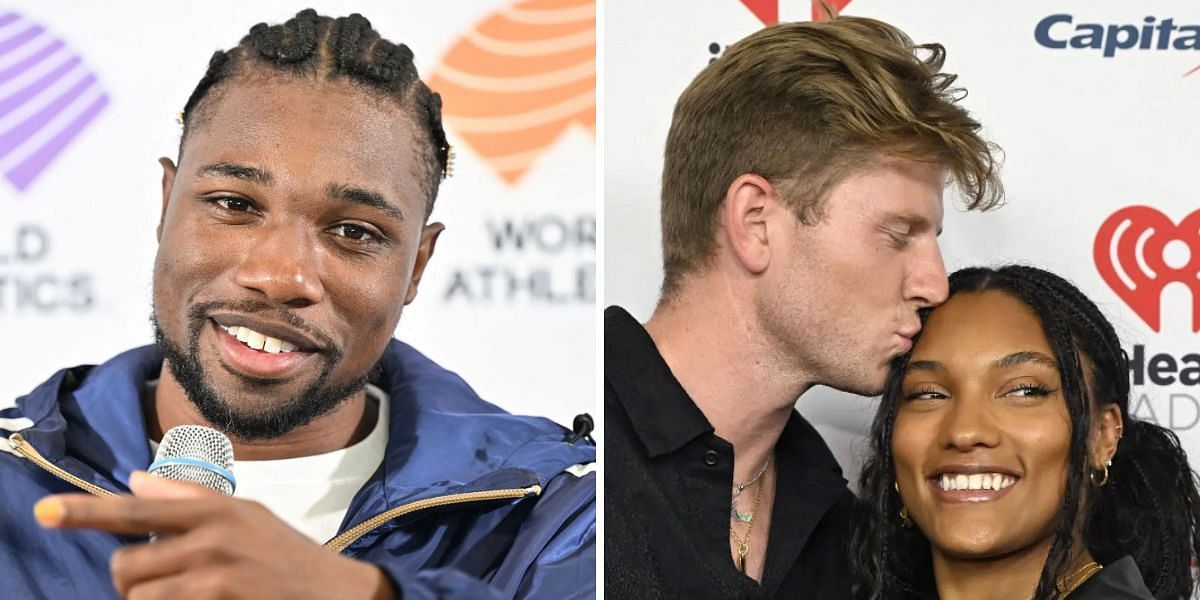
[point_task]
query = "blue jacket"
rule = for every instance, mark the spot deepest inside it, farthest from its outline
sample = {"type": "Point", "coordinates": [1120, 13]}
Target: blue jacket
{"type": "Point", "coordinates": [534, 538]}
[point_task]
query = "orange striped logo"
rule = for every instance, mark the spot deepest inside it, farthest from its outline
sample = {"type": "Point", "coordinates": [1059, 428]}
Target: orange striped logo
{"type": "Point", "coordinates": [517, 80]}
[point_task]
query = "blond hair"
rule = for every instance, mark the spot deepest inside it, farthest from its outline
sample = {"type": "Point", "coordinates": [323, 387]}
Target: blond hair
{"type": "Point", "coordinates": [804, 105]}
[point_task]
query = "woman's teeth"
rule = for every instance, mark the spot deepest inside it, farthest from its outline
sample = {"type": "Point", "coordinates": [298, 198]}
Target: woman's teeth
{"type": "Point", "coordinates": [976, 481]}
{"type": "Point", "coordinates": [258, 341]}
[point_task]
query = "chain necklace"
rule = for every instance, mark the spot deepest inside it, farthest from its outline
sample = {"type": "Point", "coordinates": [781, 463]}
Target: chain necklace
{"type": "Point", "coordinates": [1076, 579]}
{"type": "Point", "coordinates": [743, 543]}
{"type": "Point", "coordinates": [737, 491]}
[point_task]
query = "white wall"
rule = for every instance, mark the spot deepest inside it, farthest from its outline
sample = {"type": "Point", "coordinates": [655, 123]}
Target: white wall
{"type": "Point", "coordinates": [96, 204]}
{"type": "Point", "coordinates": [1085, 135]}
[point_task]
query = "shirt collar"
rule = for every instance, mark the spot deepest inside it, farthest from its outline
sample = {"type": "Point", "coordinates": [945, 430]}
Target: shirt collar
{"type": "Point", "coordinates": [664, 417]}
{"type": "Point", "coordinates": [808, 450]}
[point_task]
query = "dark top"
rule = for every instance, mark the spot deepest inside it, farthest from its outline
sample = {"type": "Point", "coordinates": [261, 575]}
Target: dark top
{"type": "Point", "coordinates": [1119, 580]}
{"type": "Point", "coordinates": [667, 487]}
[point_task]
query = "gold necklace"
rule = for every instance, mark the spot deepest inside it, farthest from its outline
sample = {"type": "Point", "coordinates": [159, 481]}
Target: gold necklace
{"type": "Point", "coordinates": [1076, 579]}
{"type": "Point", "coordinates": [743, 543]}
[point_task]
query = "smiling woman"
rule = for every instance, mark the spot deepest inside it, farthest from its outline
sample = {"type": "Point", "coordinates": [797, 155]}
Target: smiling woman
{"type": "Point", "coordinates": [1005, 462]}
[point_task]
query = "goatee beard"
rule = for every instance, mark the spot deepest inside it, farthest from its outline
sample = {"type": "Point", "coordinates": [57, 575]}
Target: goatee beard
{"type": "Point", "coordinates": [221, 408]}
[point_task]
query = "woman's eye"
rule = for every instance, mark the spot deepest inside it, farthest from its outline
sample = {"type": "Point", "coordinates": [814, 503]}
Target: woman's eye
{"type": "Point", "coordinates": [924, 394]}
{"type": "Point", "coordinates": [1030, 390]}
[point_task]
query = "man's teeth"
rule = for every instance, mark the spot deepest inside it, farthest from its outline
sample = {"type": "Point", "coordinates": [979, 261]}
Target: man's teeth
{"type": "Point", "coordinates": [256, 340]}
{"type": "Point", "coordinates": [976, 481]}
{"type": "Point", "coordinates": [259, 341]}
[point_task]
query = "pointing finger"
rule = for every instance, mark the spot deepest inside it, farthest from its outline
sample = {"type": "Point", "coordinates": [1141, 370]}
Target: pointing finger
{"type": "Point", "coordinates": [122, 514]}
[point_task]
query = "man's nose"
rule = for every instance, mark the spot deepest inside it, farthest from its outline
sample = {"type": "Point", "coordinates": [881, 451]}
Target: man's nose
{"type": "Point", "coordinates": [282, 265]}
{"type": "Point", "coordinates": [927, 282]}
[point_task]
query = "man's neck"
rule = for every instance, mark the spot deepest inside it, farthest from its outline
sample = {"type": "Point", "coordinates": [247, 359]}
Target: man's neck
{"type": "Point", "coordinates": [344, 426]}
{"type": "Point", "coordinates": [716, 351]}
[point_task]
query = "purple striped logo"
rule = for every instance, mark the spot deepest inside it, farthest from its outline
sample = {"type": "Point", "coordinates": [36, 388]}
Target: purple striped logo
{"type": "Point", "coordinates": [47, 97]}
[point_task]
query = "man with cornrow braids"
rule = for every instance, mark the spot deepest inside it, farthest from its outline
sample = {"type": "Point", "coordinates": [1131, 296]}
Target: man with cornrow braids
{"type": "Point", "coordinates": [294, 230]}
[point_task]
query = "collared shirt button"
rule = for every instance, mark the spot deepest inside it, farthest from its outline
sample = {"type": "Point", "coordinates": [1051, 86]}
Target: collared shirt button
{"type": "Point", "coordinates": [711, 458]}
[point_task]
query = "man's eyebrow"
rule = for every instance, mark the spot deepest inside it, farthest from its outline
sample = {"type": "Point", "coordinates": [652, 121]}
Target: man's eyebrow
{"type": "Point", "coordinates": [1028, 356]}
{"type": "Point", "coordinates": [244, 172]}
{"type": "Point", "coordinates": [364, 197]}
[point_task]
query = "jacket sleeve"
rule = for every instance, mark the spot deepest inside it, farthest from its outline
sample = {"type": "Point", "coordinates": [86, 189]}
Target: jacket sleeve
{"type": "Point", "coordinates": [553, 555]}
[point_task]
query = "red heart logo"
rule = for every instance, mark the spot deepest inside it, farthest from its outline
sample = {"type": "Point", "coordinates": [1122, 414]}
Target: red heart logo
{"type": "Point", "coordinates": [1129, 253]}
{"type": "Point", "coordinates": [767, 11]}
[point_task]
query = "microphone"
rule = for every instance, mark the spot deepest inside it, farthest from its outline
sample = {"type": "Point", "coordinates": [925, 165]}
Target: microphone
{"type": "Point", "coordinates": [198, 455]}
{"type": "Point", "coordinates": [582, 429]}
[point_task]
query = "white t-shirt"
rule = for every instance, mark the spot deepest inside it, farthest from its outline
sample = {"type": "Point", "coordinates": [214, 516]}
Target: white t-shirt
{"type": "Point", "coordinates": [313, 493]}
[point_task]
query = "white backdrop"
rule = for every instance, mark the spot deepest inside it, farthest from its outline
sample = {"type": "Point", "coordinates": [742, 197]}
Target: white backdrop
{"type": "Point", "coordinates": [1086, 135]}
{"type": "Point", "coordinates": [508, 301]}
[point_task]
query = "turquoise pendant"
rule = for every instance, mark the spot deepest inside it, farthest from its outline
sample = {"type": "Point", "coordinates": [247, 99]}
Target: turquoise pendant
{"type": "Point", "coordinates": [736, 514]}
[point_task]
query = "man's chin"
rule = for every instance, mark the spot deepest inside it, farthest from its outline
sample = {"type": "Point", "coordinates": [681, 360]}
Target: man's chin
{"type": "Point", "coordinates": [231, 382]}
{"type": "Point", "coordinates": [863, 390]}
{"type": "Point", "coordinates": [864, 385]}
{"type": "Point", "coordinates": [252, 394]}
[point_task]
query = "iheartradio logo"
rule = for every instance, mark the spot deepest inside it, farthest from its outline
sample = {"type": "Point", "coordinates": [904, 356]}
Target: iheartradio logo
{"type": "Point", "coordinates": [1139, 251]}
{"type": "Point", "coordinates": [767, 11]}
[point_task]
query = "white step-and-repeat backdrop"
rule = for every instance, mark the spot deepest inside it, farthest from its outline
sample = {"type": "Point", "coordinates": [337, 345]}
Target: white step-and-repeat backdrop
{"type": "Point", "coordinates": [1096, 103]}
{"type": "Point", "coordinates": [89, 93]}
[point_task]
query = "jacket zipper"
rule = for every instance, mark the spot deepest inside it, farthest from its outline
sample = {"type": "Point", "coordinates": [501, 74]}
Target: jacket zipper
{"type": "Point", "coordinates": [18, 443]}
{"type": "Point", "coordinates": [339, 542]}
{"type": "Point", "coordinates": [344, 539]}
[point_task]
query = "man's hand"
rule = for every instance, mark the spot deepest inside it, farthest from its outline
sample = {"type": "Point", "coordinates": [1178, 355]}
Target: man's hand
{"type": "Point", "coordinates": [210, 546]}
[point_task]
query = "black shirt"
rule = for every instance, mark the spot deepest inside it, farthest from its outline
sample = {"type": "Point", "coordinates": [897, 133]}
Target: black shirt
{"type": "Point", "coordinates": [667, 486]}
{"type": "Point", "coordinates": [1119, 580]}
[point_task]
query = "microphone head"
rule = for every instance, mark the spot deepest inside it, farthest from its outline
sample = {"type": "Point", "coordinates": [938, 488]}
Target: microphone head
{"type": "Point", "coordinates": [198, 455]}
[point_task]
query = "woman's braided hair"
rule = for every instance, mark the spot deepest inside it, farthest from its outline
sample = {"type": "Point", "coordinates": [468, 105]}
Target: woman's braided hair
{"type": "Point", "coordinates": [1150, 508]}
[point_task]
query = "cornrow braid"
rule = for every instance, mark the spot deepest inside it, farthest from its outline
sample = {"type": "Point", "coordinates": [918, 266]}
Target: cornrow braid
{"type": "Point", "coordinates": [322, 48]}
{"type": "Point", "coordinates": [1150, 509]}
{"type": "Point", "coordinates": [286, 45]}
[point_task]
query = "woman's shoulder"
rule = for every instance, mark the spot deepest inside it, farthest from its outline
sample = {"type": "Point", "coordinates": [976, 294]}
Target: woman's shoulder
{"type": "Point", "coordinates": [1118, 580]}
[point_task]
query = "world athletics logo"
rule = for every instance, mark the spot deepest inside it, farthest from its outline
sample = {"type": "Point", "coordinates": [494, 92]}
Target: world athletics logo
{"type": "Point", "coordinates": [47, 97]}
{"type": "Point", "coordinates": [517, 80]}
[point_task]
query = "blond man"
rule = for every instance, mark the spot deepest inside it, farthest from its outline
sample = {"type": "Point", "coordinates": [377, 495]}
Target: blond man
{"type": "Point", "coordinates": [801, 203]}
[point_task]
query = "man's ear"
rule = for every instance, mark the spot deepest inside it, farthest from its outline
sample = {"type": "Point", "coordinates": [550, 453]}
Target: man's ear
{"type": "Point", "coordinates": [168, 182]}
{"type": "Point", "coordinates": [429, 238]}
{"type": "Point", "coordinates": [744, 220]}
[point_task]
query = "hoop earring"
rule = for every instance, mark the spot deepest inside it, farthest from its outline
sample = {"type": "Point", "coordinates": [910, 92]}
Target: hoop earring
{"type": "Point", "coordinates": [904, 520]}
{"type": "Point", "coordinates": [1103, 480]}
